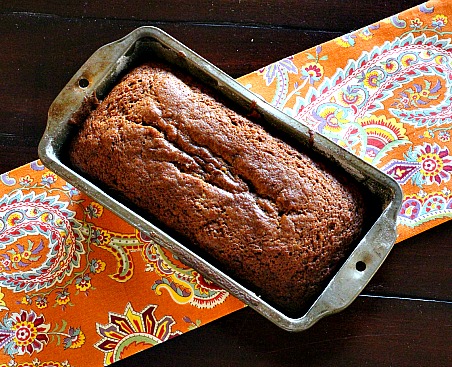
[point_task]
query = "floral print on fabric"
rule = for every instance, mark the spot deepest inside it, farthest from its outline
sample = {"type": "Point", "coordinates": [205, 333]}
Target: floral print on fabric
{"type": "Point", "coordinates": [125, 331]}
{"type": "Point", "coordinates": [40, 237]}
{"type": "Point", "coordinates": [27, 333]}
{"type": "Point", "coordinates": [425, 165]}
{"type": "Point", "coordinates": [387, 98]}
{"type": "Point", "coordinates": [80, 287]}
{"type": "Point", "coordinates": [59, 257]}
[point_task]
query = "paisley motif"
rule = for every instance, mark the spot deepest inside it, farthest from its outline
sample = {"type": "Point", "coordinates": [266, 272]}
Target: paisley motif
{"type": "Point", "coordinates": [421, 207]}
{"type": "Point", "coordinates": [40, 237]}
{"type": "Point", "coordinates": [185, 285]}
{"type": "Point", "coordinates": [380, 74]}
{"type": "Point", "coordinates": [428, 164]}
{"type": "Point", "coordinates": [381, 134]}
{"type": "Point", "coordinates": [383, 92]}
{"type": "Point", "coordinates": [389, 103]}
{"type": "Point", "coordinates": [279, 71]}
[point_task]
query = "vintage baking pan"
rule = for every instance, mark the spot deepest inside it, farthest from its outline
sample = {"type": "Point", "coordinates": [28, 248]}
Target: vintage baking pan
{"type": "Point", "coordinates": [103, 69]}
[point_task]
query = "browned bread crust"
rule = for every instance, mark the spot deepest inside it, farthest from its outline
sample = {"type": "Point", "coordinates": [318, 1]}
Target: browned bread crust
{"type": "Point", "coordinates": [268, 213]}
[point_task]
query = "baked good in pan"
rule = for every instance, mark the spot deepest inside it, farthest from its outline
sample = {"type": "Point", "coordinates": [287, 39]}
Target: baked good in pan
{"type": "Point", "coordinates": [273, 217]}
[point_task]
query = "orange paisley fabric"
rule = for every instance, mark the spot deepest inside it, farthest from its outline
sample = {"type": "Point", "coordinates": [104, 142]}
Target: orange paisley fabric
{"type": "Point", "coordinates": [80, 287]}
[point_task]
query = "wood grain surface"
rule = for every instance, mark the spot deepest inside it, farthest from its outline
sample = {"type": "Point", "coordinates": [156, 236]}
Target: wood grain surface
{"type": "Point", "coordinates": [403, 317]}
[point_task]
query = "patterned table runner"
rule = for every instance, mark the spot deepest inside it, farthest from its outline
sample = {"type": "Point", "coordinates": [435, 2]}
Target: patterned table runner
{"type": "Point", "coordinates": [384, 93]}
{"type": "Point", "coordinates": [80, 287]}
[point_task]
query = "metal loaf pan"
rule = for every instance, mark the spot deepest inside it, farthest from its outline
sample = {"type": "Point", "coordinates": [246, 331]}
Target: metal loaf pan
{"type": "Point", "coordinates": [103, 69]}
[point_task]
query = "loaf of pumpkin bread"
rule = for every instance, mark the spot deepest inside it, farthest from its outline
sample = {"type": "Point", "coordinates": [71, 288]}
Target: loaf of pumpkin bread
{"type": "Point", "coordinates": [271, 216]}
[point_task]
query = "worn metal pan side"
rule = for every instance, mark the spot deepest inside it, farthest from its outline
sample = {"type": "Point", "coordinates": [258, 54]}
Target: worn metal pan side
{"type": "Point", "coordinates": [102, 70]}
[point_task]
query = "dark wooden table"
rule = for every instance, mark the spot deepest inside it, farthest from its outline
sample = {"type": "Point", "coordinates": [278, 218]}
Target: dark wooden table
{"type": "Point", "coordinates": [403, 317]}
